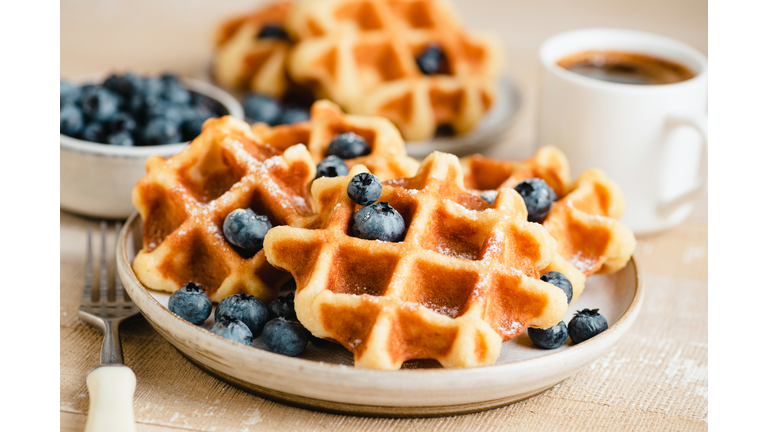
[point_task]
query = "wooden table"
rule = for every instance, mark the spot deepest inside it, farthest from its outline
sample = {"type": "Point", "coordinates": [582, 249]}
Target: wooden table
{"type": "Point", "coordinates": [655, 378]}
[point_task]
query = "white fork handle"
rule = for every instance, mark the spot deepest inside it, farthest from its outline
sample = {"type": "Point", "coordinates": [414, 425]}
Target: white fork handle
{"type": "Point", "coordinates": [111, 388]}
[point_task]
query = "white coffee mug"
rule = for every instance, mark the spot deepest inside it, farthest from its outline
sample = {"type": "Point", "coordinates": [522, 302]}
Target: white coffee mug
{"type": "Point", "coordinates": [651, 139]}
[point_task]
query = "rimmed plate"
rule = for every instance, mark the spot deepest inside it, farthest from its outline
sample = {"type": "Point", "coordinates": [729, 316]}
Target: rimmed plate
{"type": "Point", "coordinates": [324, 378]}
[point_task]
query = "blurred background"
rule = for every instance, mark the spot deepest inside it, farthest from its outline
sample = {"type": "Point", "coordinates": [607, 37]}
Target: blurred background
{"type": "Point", "coordinates": [177, 35]}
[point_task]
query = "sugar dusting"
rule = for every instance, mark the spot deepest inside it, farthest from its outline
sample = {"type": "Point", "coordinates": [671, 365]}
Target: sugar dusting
{"type": "Point", "coordinates": [582, 262]}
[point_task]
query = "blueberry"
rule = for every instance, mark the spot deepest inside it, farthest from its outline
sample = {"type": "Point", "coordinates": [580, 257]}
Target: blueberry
{"type": "Point", "coordinates": [245, 229]}
{"type": "Point", "coordinates": [283, 307]}
{"type": "Point", "coordinates": [285, 337]}
{"type": "Point", "coordinates": [68, 93]}
{"type": "Point", "coordinates": [432, 60]}
{"type": "Point", "coordinates": [170, 79]}
{"type": "Point", "coordinates": [348, 145]}
{"type": "Point", "coordinates": [191, 303]}
{"type": "Point", "coordinates": [559, 280]}
{"type": "Point", "coordinates": [95, 132]}
{"type": "Point", "coordinates": [191, 128]}
{"type": "Point", "coordinates": [364, 189]}
{"type": "Point", "coordinates": [489, 196]}
{"type": "Point", "coordinates": [70, 120]}
{"type": "Point", "coordinates": [247, 308]}
{"type": "Point", "coordinates": [378, 221]}
{"type": "Point", "coordinates": [122, 122]}
{"type": "Point", "coordinates": [153, 87]}
{"type": "Point", "coordinates": [294, 115]}
{"type": "Point", "coordinates": [538, 197]}
{"type": "Point", "coordinates": [332, 166]}
{"type": "Point", "coordinates": [550, 338]}
{"type": "Point", "coordinates": [125, 85]}
{"type": "Point", "coordinates": [99, 104]}
{"type": "Point", "coordinates": [233, 329]}
{"type": "Point", "coordinates": [445, 130]}
{"type": "Point", "coordinates": [176, 94]}
{"type": "Point", "coordinates": [161, 131]}
{"type": "Point", "coordinates": [123, 138]}
{"type": "Point", "coordinates": [262, 109]}
{"type": "Point", "coordinates": [272, 31]}
{"type": "Point", "coordinates": [208, 105]}
{"type": "Point", "coordinates": [586, 324]}
{"type": "Point", "coordinates": [171, 111]}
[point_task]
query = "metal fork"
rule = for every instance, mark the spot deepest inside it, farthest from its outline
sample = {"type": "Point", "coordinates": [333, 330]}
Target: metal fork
{"type": "Point", "coordinates": [110, 384]}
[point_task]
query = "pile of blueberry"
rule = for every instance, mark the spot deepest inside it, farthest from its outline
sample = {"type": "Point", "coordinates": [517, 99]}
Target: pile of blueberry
{"type": "Point", "coordinates": [242, 317]}
{"type": "Point", "coordinates": [376, 220]}
{"type": "Point", "coordinates": [347, 145]}
{"type": "Point", "coordinates": [129, 110]}
{"type": "Point", "coordinates": [264, 109]}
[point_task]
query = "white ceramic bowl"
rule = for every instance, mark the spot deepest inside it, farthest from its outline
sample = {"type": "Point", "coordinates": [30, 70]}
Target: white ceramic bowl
{"type": "Point", "coordinates": [325, 378]}
{"type": "Point", "coordinates": [97, 179]}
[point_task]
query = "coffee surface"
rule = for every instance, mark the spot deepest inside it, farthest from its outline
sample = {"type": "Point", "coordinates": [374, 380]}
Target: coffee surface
{"type": "Point", "coordinates": [625, 68]}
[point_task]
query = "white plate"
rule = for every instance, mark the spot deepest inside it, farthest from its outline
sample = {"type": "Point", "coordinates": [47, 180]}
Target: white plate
{"type": "Point", "coordinates": [324, 378]}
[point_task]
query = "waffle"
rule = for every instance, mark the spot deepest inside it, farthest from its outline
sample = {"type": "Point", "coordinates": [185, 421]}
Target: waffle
{"type": "Point", "coordinates": [185, 199]}
{"type": "Point", "coordinates": [361, 54]}
{"type": "Point", "coordinates": [465, 278]}
{"type": "Point", "coordinates": [387, 159]}
{"type": "Point", "coordinates": [584, 218]}
{"type": "Point", "coordinates": [244, 62]}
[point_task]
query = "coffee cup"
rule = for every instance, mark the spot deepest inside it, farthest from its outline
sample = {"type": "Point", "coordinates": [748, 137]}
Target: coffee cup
{"type": "Point", "coordinates": [650, 138]}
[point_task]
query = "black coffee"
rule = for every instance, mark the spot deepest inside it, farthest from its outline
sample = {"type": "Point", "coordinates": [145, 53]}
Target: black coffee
{"type": "Point", "coordinates": [625, 68]}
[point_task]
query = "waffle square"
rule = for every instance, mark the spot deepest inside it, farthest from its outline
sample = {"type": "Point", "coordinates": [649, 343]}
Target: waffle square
{"type": "Point", "coordinates": [464, 279]}
{"type": "Point", "coordinates": [242, 61]}
{"type": "Point", "coordinates": [184, 200]}
{"type": "Point", "coordinates": [583, 220]}
{"type": "Point", "coordinates": [361, 54]}
{"type": "Point", "coordinates": [387, 159]}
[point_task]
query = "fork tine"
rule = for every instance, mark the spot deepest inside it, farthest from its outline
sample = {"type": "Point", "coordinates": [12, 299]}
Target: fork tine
{"type": "Point", "coordinates": [88, 287]}
{"type": "Point", "coordinates": [119, 295]}
{"type": "Point", "coordinates": [103, 283]}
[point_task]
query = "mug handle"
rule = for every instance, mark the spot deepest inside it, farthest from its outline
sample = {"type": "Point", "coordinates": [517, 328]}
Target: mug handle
{"type": "Point", "coordinates": [700, 123]}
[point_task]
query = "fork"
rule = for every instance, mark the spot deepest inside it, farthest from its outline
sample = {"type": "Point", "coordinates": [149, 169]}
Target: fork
{"type": "Point", "coordinates": [111, 383]}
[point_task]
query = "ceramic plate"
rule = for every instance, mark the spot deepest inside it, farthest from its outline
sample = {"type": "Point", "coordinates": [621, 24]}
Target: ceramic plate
{"type": "Point", "coordinates": [325, 378]}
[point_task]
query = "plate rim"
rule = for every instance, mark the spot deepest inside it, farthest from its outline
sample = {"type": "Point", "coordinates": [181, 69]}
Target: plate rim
{"type": "Point", "coordinates": [265, 357]}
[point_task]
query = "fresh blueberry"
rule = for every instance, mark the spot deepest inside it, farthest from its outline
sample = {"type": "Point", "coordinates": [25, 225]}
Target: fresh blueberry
{"type": "Point", "coordinates": [153, 87]}
{"type": "Point", "coordinates": [123, 138]}
{"type": "Point", "coordinates": [160, 130]}
{"type": "Point", "coordinates": [550, 338]}
{"type": "Point", "coordinates": [233, 329]}
{"type": "Point", "coordinates": [262, 109]}
{"type": "Point", "coordinates": [445, 130]}
{"type": "Point", "coordinates": [294, 115]}
{"type": "Point", "coordinates": [191, 303]}
{"type": "Point", "coordinates": [99, 104]}
{"type": "Point", "coordinates": [348, 145]}
{"type": "Point", "coordinates": [332, 166]}
{"type": "Point", "coordinates": [489, 196]}
{"type": "Point", "coordinates": [586, 324]}
{"type": "Point", "coordinates": [432, 60]}
{"type": "Point", "coordinates": [378, 221]}
{"type": "Point", "coordinates": [364, 189]}
{"type": "Point", "coordinates": [125, 85]}
{"type": "Point", "coordinates": [538, 197]}
{"type": "Point", "coordinates": [285, 337]}
{"type": "Point", "coordinates": [247, 308]}
{"type": "Point", "coordinates": [70, 120]}
{"type": "Point", "coordinates": [122, 122]}
{"type": "Point", "coordinates": [68, 93]}
{"type": "Point", "coordinates": [176, 94]}
{"type": "Point", "coordinates": [283, 307]}
{"type": "Point", "coordinates": [272, 31]}
{"type": "Point", "coordinates": [191, 128]}
{"type": "Point", "coordinates": [169, 79]}
{"type": "Point", "coordinates": [171, 111]}
{"type": "Point", "coordinates": [95, 132]}
{"type": "Point", "coordinates": [208, 105]}
{"type": "Point", "coordinates": [246, 230]}
{"type": "Point", "coordinates": [559, 280]}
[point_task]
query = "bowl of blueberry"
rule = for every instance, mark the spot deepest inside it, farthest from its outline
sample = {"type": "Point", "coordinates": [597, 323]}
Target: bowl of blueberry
{"type": "Point", "coordinates": [108, 127]}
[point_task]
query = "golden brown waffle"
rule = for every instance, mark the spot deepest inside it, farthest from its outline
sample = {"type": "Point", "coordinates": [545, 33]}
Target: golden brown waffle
{"type": "Point", "coordinates": [362, 54]}
{"type": "Point", "coordinates": [185, 199]}
{"type": "Point", "coordinates": [465, 278]}
{"type": "Point", "coordinates": [584, 218]}
{"type": "Point", "coordinates": [244, 62]}
{"type": "Point", "coordinates": [387, 159]}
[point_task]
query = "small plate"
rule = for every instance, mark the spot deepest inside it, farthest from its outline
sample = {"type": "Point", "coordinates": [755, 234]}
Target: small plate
{"type": "Point", "coordinates": [325, 379]}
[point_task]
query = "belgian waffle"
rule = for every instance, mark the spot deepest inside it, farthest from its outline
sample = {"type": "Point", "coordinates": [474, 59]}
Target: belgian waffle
{"type": "Point", "coordinates": [465, 278]}
{"type": "Point", "coordinates": [387, 159]}
{"type": "Point", "coordinates": [583, 220]}
{"type": "Point", "coordinates": [244, 62]}
{"type": "Point", "coordinates": [185, 199]}
{"type": "Point", "coordinates": [361, 54]}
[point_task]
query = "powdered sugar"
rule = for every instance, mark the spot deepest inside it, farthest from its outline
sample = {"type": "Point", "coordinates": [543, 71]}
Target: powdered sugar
{"type": "Point", "coordinates": [581, 262]}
